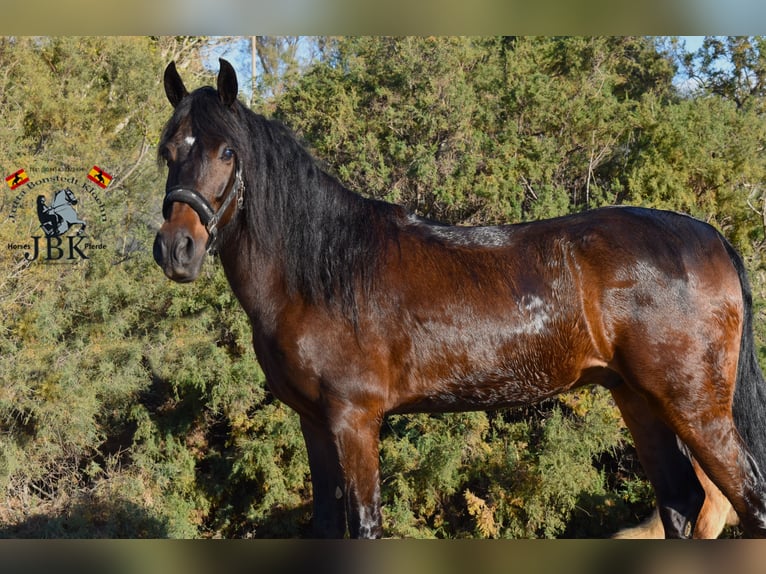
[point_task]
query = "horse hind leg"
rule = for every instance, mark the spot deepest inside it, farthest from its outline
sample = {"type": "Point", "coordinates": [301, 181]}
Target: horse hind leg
{"type": "Point", "coordinates": [716, 513]}
{"type": "Point", "coordinates": [726, 460]}
{"type": "Point", "coordinates": [699, 412]}
{"type": "Point", "coordinates": [680, 496]}
{"type": "Point", "coordinates": [649, 529]}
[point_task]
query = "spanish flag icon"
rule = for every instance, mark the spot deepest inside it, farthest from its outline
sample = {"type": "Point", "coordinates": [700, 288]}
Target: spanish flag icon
{"type": "Point", "coordinates": [99, 177]}
{"type": "Point", "coordinates": [17, 179]}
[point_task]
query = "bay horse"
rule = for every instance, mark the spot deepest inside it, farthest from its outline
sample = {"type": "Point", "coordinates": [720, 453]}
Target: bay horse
{"type": "Point", "coordinates": [360, 309]}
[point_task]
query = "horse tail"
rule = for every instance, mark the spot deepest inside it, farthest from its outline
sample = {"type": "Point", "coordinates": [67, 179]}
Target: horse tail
{"type": "Point", "coordinates": [749, 408]}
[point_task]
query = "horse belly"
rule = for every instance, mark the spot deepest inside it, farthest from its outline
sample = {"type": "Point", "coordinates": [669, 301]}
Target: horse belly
{"type": "Point", "coordinates": [522, 371]}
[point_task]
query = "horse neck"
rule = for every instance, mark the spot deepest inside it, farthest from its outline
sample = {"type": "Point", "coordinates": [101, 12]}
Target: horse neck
{"type": "Point", "coordinates": [267, 280]}
{"type": "Point", "coordinates": [257, 281]}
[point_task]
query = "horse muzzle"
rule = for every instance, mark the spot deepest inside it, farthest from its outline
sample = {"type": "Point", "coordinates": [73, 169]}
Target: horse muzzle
{"type": "Point", "coordinates": [180, 246]}
{"type": "Point", "coordinates": [176, 249]}
{"type": "Point", "coordinates": [179, 253]}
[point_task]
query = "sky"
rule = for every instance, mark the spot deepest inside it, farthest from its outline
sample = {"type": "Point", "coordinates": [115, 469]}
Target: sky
{"type": "Point", "coordinates": [239, 55]}
{"type": "Point", "coordinates": [693, 43]}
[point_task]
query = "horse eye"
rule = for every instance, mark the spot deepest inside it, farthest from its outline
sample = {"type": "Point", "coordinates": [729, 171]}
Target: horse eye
{"type": "Point", "coordinates": [227, 154]}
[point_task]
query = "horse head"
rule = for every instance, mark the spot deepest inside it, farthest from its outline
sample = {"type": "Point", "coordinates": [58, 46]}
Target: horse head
{"type": "Point", "coordinates": [199, 147]}
{"type": "Point", "coordinates": [63, 197]}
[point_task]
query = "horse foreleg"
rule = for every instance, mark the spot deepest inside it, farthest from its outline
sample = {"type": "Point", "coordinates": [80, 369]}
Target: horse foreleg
{"type": "Point", "coordinates": [345, 475]}
{"type": "Point", "coordinates": [357, 436]}
{"type": "Point", "coordinates": [680, 495]}
{"type": "Point", "coordinates": [329, 511]}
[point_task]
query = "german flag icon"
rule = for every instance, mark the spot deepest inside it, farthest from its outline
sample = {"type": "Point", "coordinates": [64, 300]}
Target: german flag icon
{"type": "Point", "coordinates": [99, 177]}
{"type": "Point", "coordinates": [17, 179]}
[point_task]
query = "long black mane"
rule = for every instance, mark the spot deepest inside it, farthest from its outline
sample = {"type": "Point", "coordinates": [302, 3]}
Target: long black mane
{"type": "Point", "coordinates": [328, 238]}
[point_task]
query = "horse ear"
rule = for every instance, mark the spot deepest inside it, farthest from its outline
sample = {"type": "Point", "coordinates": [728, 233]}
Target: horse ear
{"type": "Point", "coordinates": [174, 86]}
{"type": "Point", "coordinates": [227, 83]}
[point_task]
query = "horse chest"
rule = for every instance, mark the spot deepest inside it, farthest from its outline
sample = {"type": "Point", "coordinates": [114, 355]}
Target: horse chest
{"type": "Point", "coordinates": [303, 363]}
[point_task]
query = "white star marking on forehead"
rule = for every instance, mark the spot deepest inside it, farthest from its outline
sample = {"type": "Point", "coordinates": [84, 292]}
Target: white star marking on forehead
{"type": "Point", "coordinates": [190, 140]}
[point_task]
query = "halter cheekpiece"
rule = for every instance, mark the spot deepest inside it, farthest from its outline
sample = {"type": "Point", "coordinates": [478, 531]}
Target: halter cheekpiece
{"type": "Point", "coordinates": [207, 215]}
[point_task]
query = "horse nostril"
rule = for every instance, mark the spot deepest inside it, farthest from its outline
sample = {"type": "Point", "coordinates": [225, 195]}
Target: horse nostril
{"type": "Point", "coordinates": [184, 249]}
{"type": "Point", "coordinates": [176, 252]}
{"type": "Point", "coordinates": [159, 250]}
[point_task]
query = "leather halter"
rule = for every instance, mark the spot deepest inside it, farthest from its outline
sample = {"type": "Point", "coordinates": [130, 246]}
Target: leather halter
{"type": "Point", "coordinates": [207, 216]}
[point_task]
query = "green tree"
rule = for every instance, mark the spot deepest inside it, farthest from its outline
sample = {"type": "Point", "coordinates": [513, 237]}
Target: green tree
{"type": "Point", "coordinates": [732, 67]}
{"type": "Point", "coordinates": [478, 129]}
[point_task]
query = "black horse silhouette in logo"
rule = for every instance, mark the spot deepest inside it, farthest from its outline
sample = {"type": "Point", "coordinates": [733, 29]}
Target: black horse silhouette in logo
{"type": "Point", "coordinates": [100, 176]}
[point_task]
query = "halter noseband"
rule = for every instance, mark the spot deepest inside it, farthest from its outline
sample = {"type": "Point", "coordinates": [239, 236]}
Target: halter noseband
{"type": "Point", "coordinates": [207, 216]}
